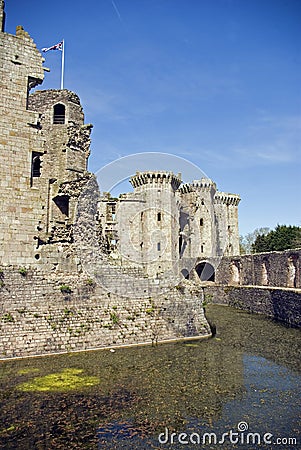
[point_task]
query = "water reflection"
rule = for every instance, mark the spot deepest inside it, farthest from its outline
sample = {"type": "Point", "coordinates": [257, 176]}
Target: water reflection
{"type": "Point", "coordinates": [249, 372]}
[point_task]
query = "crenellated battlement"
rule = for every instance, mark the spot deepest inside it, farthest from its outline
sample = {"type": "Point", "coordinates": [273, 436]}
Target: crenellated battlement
{"type": "Point", "coordinates": [204, 184]}
{"type": "Point", "coordinates": [156, 178]}
{"type": "Point", "coordinates": [226, 199]}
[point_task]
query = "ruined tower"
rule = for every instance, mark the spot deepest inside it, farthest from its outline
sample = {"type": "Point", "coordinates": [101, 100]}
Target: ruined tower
{"type": "Point", "coordinates": [44, 151]}
{"type": "Point", "coordinates": [160, 227]}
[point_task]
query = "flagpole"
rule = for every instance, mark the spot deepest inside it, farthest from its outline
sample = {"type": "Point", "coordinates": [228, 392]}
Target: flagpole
{"type": "Point", "coordinates": [63, 64]}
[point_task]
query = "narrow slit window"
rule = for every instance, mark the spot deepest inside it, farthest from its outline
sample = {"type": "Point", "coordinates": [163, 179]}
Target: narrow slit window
{"type": "Point", "coordinates": [159, 246]}
{"type": "Point", "coordinates": [201, 222]}
{"type": "Point", "coordinates": [36, 164]}
{"type": "Point", "coordinates": [159, 217]}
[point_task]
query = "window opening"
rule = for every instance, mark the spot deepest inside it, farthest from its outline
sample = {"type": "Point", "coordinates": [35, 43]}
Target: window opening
{"type": "Point", "coordinates": [62, 210]}
{"type": "Point", "coordinates": [59, 114]}
{"type": "Point", "coordinates": [36, 165]}
{"type": "Point", "coordinates": [111, 212]}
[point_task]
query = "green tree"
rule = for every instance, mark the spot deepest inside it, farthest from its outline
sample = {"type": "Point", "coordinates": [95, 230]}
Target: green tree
{"type": "Point", "coordinates": [246, 242]}
{"type": "Point", "coordinates": [282, 238]}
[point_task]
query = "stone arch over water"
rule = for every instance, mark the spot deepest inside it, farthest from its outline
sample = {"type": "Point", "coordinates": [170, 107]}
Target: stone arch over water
{"type": "Point", "coordinates": [205, 271]}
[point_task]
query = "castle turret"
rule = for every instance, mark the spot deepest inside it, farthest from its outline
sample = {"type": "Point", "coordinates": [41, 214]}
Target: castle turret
{"type": "Point", "coordinates": [198, 223]}
{"type": "Point", "coordinates": [226, 216]}
{"type": "Point", "coordinates": [156, 180]}
{"type": "Point", "coordinates": [148, 221]}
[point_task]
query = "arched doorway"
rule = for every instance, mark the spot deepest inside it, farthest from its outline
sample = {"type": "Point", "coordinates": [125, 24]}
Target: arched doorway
{"type": "Point", "coordinates": [205, 271]}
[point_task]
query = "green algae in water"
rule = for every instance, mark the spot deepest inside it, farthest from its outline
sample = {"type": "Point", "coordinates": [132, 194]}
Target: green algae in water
{"type": "Point", "coordinates": [249, 372]}
{"type": "Point", "coordinates": [7, 430]}
{"type": "Point", "coordinates": [66, 380]}
{"type": "Point", "coordinates": [28, 370]}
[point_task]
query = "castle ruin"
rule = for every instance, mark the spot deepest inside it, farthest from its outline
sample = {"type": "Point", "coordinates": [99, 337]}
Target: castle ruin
{"type": "Point", "coordinates": [80, 269]}
{"type": "Point", "coordinates": [45, 147]}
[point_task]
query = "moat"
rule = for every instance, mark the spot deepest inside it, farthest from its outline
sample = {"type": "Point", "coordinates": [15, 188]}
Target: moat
{"type": "Point", "coordinates": [247, 376]}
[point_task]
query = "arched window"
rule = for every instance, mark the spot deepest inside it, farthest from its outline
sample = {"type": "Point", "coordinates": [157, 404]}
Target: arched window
{"type": "Point", "coordinates": [59, 114]}
{"type": "Point", "coordinates": [36, 164]}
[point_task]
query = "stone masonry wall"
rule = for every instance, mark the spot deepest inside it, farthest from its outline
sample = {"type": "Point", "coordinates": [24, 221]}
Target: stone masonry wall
{"type": "Point", "coordinates": [43, 313]}
{"type": "Point", "coordinates": [279, 269]}
{"type": "Point", "coordinates": [278, 303]}
{"type": "Point", "coordinates": [20, 70]}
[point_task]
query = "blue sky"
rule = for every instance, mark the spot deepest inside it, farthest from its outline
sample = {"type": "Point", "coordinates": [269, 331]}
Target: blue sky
{"type": "Point", "coordinates": [217, 82]}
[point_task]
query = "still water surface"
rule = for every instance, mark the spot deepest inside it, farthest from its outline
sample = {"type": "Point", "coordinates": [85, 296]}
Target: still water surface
{"type": "Point", "coordinates": [247, 379]}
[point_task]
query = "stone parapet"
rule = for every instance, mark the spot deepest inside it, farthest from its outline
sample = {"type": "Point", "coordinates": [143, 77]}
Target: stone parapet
{"type": "Point", "coordinates": [156, 178]}
{"type": "Point", "coordinates": [227, 199]}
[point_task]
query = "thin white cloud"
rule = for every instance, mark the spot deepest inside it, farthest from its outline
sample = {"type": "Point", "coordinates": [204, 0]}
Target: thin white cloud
{"type": "Point", "coordinates": [270, 139]}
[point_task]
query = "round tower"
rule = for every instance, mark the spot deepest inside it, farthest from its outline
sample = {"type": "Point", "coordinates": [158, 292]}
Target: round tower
{"type": "Point", "coordinates": [198, 223]}
{"type": "Point", "coordinates": [153, 224]}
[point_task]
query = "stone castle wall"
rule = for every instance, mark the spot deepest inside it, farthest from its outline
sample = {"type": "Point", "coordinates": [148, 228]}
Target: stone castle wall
{"type": "Point", "coordinates": [39, 153]}
{"type": "Point", "coordinates": [20, 69]}
{"type": "Point", "coordinates": [278, 269]}
{"type": "Point", "coordinates": [59, 289]}
{"type": "Point", "coordinates": [283, 305]}
{"type": "Point", "coordinates": [264, 283]}
{"type": "Point", "coordinates": [42, 313]}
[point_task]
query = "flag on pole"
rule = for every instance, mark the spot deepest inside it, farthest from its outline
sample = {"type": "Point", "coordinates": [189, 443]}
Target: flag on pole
{"type": "Point", "coordinates": [58, 46]}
